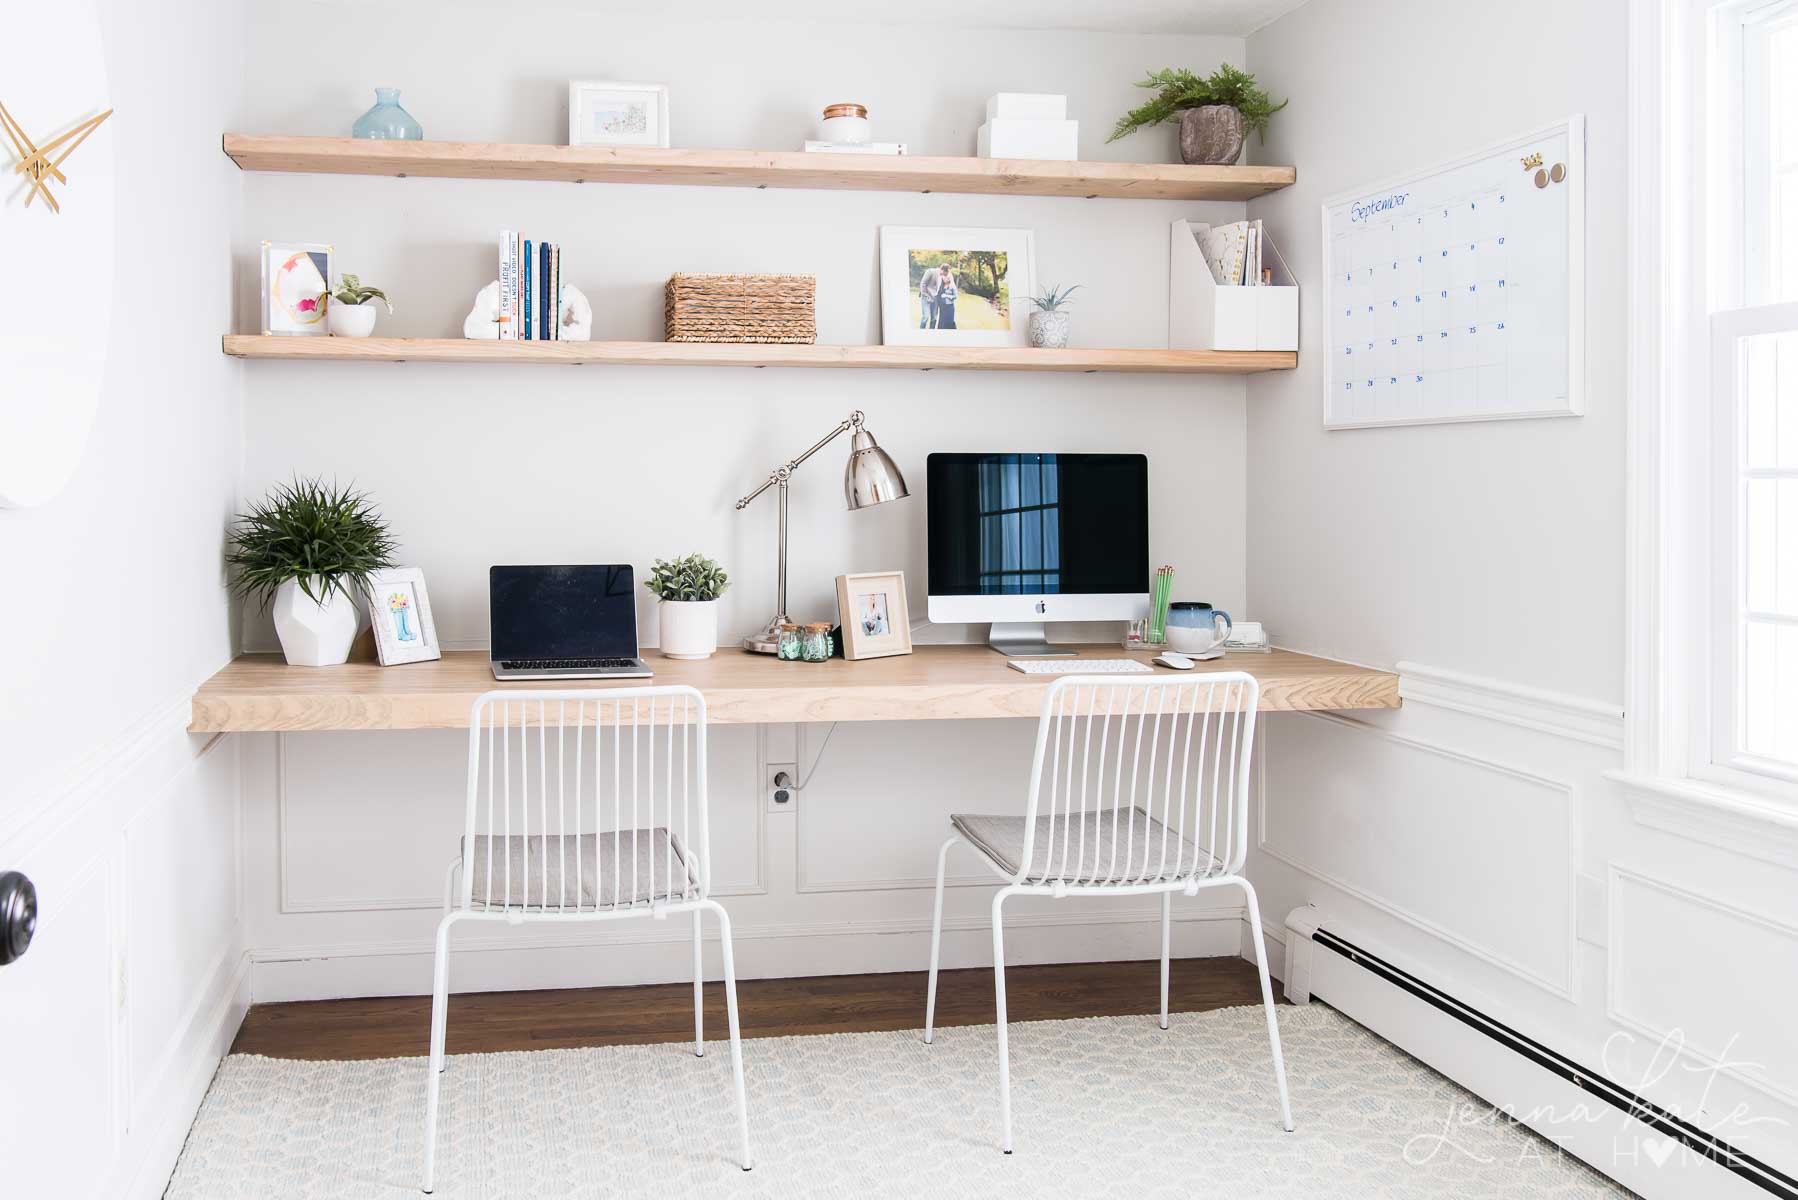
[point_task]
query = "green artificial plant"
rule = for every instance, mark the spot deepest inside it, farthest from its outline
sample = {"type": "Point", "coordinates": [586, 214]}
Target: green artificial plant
{"type": "Point", "coordinates": [1180, 90]}
{"type": "Point", "coordinates": [351, 290]}
{"type": "Point", "coordinates": [325, 537]}
{"type": "Point", "coordinates": [694, 577]}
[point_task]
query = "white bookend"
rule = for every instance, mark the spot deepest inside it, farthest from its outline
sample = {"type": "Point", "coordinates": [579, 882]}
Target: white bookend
{"type": "Point", "coordinates": [1203, 314]}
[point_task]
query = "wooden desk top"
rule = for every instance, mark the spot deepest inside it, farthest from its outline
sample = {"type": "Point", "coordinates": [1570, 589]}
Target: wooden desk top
{"type": "Point", "coordinates": [260, 693]}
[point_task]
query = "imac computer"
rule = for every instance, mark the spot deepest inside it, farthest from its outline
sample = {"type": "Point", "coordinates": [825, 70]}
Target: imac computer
{"type": "Point", "coordinates": [1023, 539]}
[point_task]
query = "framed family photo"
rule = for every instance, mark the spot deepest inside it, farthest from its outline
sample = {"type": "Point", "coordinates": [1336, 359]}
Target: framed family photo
{"type": "Point", "coordinates": [955, 287]}
{"type": "Point", "coordinates": [296, 288]}
{"type": "Point", "coordinates": [400, 611]}
{"type": "Point", "coordinates": [871, 609]}
{"type": "Point", "coordinates": [617, 114]}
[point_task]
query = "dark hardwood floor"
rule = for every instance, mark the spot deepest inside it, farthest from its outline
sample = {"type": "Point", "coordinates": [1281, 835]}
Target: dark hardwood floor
{"type": "Point", "coordinates": [390, 1027]}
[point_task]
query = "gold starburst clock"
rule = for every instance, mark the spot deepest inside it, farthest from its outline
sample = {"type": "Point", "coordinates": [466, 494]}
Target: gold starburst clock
{"type": "Point", "coordinates": [56, 246]}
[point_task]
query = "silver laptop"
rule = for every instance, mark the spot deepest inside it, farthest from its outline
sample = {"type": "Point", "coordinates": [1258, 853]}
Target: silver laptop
{"type": "Point", "coordinates": [564, 623]}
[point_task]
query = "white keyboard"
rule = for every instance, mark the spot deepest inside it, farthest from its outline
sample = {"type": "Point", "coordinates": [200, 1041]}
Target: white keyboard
{"type": "Point", "coordinates": [1080, 666]}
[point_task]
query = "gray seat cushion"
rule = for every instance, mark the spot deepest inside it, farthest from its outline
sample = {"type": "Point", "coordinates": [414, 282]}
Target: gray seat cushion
{"type": "Point", "coordinates": [603, 871]}
{"type": "Point", "coordinates": [1139, 852]}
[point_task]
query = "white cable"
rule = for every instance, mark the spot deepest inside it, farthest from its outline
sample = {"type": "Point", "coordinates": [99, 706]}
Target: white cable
{"type": "Point", "coordinates": [800, 786]}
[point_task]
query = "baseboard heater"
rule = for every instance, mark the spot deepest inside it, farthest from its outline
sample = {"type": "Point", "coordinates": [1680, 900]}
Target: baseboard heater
{"type": "Point", "coordinates": [1302, 980]}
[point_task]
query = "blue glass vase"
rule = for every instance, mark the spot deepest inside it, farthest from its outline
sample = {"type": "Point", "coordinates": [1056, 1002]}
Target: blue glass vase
{"type": "Point", "coordinates": [387, 120]}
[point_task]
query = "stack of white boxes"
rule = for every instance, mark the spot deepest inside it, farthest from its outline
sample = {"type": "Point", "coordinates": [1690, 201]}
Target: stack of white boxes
{"type": "Point", "coordinates": [1028, 125]}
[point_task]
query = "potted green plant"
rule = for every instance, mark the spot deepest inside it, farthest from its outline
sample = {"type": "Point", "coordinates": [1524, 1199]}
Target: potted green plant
{"type": "Point", "coordinates": [1049, 323]}
{"type": "Point", "coordinates": [1215, 113]}
{"type": "Point", "coordinates": [688, 589]}
{"type": "Point", "coordinates": [306, 552]}
{"type": "Point", "coordinates": [352, 313]}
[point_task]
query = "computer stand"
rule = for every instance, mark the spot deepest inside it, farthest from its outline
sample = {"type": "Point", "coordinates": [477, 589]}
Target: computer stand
{"type": "Point", "coordinates": [1024, 639]}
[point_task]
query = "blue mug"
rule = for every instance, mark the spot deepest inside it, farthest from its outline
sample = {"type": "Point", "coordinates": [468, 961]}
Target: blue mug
{"type": "Point", "coordinates": [1193, 627]}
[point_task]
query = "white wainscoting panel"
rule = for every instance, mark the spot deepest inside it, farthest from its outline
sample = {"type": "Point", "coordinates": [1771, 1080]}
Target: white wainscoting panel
{"type": "Point", "coordinates": [1473, 851]}
{"type": "Point", "coordinates": [1699, 973]}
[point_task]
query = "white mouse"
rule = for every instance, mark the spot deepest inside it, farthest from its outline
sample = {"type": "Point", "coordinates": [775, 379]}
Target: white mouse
{"type": "Point", "coordinates": [1178, 662]}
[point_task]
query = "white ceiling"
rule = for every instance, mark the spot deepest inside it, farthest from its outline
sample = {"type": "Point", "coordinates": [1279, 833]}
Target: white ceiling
{"type": "Point", "coordinates": [1228, 18]}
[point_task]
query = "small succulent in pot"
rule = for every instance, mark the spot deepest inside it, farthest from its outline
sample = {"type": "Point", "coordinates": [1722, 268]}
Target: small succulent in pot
{"type": "Point", "coordinates": [688, 589]}
{"type": "Point", "coordinates": [353, 314]}
{"type": "Point", "coordinates": [306, 551]}
{"type": "Point", "coordinates": [1215, 112]}
{"type": "Point", "coordinates": [1049, 327]}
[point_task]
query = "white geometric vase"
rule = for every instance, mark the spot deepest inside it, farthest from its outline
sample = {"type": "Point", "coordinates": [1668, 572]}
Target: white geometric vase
{"type": "Point", "coordinates": [314, 634]}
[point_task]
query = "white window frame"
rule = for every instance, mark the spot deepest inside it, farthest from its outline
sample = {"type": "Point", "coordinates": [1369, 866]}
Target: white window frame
{"type": "Point", "coordinates": [1679, 123]}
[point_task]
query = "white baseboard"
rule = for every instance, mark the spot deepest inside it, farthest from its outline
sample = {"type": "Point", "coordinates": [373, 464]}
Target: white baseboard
{"type": "Point", "coordinates": [150, 1153]}
{"type": "Point", "coordinates": [660, 952]}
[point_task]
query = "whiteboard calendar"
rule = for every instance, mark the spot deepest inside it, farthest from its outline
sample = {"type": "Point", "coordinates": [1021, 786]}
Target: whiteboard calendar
{"type": "Point", "coordinates": [1457, 293]}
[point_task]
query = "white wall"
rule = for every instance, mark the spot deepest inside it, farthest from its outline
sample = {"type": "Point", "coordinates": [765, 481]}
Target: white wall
{"type": "Point", "coordinates": [515, 464]}
{"type": "Point", "coordinates": [1472, 837]}
{"type": "Point", "coordinates": [115, 608]}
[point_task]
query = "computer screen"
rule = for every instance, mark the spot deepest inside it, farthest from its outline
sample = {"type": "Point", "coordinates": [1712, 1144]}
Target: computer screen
{"type": "Point", "coordinates": [1038, 524]}
{"type": "Point", "coordinates": [562, 612]}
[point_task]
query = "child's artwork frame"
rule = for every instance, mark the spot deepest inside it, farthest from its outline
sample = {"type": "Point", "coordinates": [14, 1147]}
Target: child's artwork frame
{"type": "Point", "coordinates": [399, 608]}
{"type": "Point", "coordinates": [296, 288]}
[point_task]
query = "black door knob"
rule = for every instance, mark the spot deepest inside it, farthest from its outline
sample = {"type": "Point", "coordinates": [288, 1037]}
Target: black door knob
{"type": "Point", "coordinates": [18, 915]}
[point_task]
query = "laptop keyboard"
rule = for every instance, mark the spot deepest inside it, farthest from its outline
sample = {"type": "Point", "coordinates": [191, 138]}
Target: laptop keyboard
{"type": "Point", "coordinates": [567, 664]}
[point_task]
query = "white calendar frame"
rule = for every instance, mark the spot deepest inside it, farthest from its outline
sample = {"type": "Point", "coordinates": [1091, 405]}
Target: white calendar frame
{"type": "Point", "coordinates": [1574, 128]}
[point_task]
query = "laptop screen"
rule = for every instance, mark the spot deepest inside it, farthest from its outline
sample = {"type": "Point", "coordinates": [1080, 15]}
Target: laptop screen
{"type": "Point", "coordinates": [562, 612]}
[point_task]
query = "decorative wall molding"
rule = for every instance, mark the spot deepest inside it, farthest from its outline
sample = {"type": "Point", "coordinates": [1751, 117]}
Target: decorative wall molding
{"type": "Point", "coordinates": [347, 904]}
{"type": "Point", "coordinates": [1573, 717]}
{"type": "Point", "coordinates": [1566, 987]}
{"type": "Point", "coordinates": [1716, 816]}
{"type": "Point", "coordinates": [1616, 996]}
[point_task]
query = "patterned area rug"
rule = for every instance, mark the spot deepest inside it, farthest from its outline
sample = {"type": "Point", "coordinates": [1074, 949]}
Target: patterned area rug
{"type": "Point", "coordinates": [1112, 1106]}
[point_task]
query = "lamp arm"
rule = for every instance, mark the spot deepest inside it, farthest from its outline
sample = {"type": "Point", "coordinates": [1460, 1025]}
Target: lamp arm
{"type": "Point", "coordinates": [784, 473]}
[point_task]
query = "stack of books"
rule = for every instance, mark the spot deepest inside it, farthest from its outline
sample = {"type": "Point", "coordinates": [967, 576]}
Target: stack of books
{"type": "Point", "coordinates": [530, 289]}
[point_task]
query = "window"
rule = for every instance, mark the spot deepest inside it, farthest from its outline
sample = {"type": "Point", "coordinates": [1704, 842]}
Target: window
{"type": "Point", "coordinates": [1750, 731]}
{"type": "Point", "coordinates": [1020, 534]}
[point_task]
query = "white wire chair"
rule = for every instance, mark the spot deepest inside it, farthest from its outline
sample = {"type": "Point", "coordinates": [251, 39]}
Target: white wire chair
{"type": "Point", "coordinates": [1137, 786]}
{"type": "Point", "coordinates": [579, 811]}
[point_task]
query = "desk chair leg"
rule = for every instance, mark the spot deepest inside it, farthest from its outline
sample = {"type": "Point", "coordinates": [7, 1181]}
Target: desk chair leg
{"type": "Point", "coordinates": [698, 990]}
{"type": "Point", "coordinates": [736, 1042]}
{"type": "Point", "coordinates": [449, 903]}
{"type": "Point", "coordinates": [439, 1027]}
{"type": "Point", "coordinates": [999, 992]}
{"type": "Point", "coordinates": [1267, 1002]}
{"type": "Point", "coordinates": [1167, 920]}
{"type": "Point", "coordinates": [936, 942]}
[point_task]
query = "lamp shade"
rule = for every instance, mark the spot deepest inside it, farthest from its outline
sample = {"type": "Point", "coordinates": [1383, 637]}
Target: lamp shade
{"type": "Point", "coordinates": [871, 476]}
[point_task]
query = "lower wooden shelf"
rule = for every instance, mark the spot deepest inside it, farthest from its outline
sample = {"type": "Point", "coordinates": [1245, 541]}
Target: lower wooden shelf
{"type": "Point", "coordinates": [714, 354]}
{"type": "Point", "coordinates": [260, 693]}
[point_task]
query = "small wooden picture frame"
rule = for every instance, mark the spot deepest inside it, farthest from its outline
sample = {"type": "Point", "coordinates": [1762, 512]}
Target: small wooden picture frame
{"type": "Point", "coordinates": [872, 611]}
{"type": "Point", "coordinates": [400, 611]}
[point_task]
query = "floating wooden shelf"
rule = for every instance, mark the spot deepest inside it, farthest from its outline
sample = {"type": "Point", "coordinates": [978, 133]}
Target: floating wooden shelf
{"type": "Point", "coordinates": [259, 692]}
{"type": "Point", "coordinates": [716, 354]}
{"type": "Point", "coordinates": [753, 168]}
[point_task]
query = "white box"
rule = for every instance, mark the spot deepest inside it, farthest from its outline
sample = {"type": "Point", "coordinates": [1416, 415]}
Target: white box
{"type": "Point", "coordinates": [1007, 137]}
{"type": "Point", "coordinates": [1026, 106]}
{"type": "Point", "coordinates": [1203, 314]}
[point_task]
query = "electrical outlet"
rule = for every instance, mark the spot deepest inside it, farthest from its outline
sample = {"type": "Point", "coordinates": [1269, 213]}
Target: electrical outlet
{"type": "Point", "coordinates": [778, 784]}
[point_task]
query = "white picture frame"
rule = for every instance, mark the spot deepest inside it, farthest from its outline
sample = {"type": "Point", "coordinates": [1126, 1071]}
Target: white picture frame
{"type": "Point", "coordinates": [290, 272]}
{"type": "Point", "coordinates": [399, 609]}
{"type": "Point", "coordinates": [612, 113]}
{"type": "Point", "coordinates": [993, 272]}
{"type": "Point", "coordinates": [875, 619]}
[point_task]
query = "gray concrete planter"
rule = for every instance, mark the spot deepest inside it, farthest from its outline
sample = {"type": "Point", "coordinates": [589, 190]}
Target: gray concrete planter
{"type": "Point", "coordinates": [1211, 133]}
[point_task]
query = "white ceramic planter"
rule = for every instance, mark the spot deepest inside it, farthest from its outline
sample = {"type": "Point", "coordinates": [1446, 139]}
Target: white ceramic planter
{"type": "Point", "coordinates": [351, 320]}
{"type": "Point", "coordinates": [689, 628]}
{"type": "Point", "coordinates": [314, 634]}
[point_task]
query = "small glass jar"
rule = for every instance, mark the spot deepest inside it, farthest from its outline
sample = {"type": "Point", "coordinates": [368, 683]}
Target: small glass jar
{"type": "Point", "coordinates": [817, 642]}
{"type": "Point", "coordinates": [846, 125]}
{"type": "Point", "coordinates": [791, 645]}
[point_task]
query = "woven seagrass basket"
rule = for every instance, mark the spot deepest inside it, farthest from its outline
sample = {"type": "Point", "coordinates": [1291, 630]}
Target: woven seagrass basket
{"type": "Point", "coordinates": [741, 308]}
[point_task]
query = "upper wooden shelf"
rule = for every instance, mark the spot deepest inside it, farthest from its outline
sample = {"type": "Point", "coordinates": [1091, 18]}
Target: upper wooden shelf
{"type": "Point", "coordinates": [738, 354]}
{"type": "Point", "coordinates": [260, 693]}
{"type": "Point", "coordinates": [753, 168]}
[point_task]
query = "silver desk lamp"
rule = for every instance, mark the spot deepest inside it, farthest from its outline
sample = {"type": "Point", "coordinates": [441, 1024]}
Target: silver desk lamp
{"type": "Point", "coordinates": [870, 478]}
